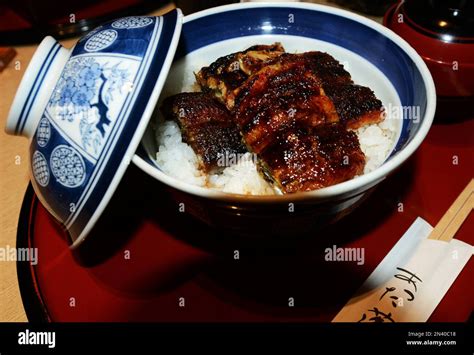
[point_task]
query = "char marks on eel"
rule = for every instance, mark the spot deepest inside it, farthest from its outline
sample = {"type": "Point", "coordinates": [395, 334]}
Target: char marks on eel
{"type": "Point", "coordinates": [206, 125]}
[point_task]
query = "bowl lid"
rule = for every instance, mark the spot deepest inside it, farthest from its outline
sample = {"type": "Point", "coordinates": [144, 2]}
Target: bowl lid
{"type": "Point", "coordinates": [85, 112]}
{"type": "Point", "coordinates": [447, 20]}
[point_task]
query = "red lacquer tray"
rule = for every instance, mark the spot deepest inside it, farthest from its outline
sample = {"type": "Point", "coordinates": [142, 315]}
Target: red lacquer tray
{"type": "Point", "coordinates": [146, 261]}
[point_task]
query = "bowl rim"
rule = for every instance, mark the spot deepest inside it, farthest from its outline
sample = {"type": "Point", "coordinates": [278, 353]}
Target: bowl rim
{"type": "Point", "coordinates": [356, 185]}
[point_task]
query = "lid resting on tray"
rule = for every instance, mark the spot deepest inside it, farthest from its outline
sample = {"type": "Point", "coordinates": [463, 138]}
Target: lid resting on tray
{"type": "Point", "coordinates": [85, 111]}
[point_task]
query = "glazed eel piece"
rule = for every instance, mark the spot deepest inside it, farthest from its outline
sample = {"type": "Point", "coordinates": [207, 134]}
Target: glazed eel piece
{"type": "Point", "coordinates": [296, 112]}
{"type": "Point", "coordinates": [355, 105]}
{"type": "Point", "coordinates": [302, 159]}
{"type": "Point", "coordinates": [229, 72]}
{"type": "Point", "coordinates": [287, 119]}
{"type": "Point", "coordinates": [207, 126]}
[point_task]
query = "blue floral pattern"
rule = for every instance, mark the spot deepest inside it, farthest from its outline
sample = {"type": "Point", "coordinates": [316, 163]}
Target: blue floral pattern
{"type": "Point", "coordinates": [95, 113]}
{"type": "Point", "coordinates": [84, 93]}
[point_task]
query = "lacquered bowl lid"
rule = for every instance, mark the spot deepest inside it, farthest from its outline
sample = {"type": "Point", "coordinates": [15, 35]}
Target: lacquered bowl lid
{"type": "Point", "coordinates": [446, 20]}
{"type": "Point", "coordinates": [443, 35]}
{"type": "Point", "coordinates": [85, 112]}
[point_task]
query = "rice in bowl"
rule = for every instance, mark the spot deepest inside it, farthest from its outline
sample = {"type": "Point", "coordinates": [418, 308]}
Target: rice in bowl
{"type": "Point", "coordinates": [177, 159]}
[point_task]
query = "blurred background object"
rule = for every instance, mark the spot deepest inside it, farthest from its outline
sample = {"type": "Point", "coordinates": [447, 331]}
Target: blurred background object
{"type": "Point", "coordinates": [369, 7]}
{"type": "Point", "coordinates": [190, 6]}
{"type": "Point", "coordinates": [28, 21]}
{"type": "Point", "coordinates": [272, 0]}
{"type": "Point", "coordinates": [442, 32]}
{"type": "Point", "coordinates": [453, 18]}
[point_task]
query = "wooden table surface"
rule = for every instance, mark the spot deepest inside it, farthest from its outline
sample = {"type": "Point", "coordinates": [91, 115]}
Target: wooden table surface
{"type": "Point", "coordinates": [14, 165]}
{"type": "Point", "coordinates": [13, 181]}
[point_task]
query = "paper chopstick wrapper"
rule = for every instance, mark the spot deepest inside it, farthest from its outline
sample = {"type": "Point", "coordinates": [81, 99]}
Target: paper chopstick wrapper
{"type": "Point", "coordinates": [410, 281]}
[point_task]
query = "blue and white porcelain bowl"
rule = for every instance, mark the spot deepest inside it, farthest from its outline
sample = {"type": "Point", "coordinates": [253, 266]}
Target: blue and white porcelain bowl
{"type": "Point", "coordinates": [375, 57]}
{"type": "Point", "coordinates": [85, 111]}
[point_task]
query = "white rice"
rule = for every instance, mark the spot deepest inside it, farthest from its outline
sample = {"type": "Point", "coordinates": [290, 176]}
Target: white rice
{"type": "Point", "coordinates": [377, 141]}
{"type": "Point", "coordinates": [178, 160]}
{"type": "Point", "coordinates": [241, 178]}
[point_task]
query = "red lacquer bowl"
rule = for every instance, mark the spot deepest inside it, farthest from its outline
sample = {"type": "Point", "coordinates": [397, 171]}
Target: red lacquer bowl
{"type": "Point", "coordinates": [442, 33]}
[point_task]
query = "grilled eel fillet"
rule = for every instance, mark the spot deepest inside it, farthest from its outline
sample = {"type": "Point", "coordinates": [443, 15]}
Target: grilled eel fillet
{"type": "Point", "coordinates": [206, 125]}
{"type": "Point", "coordinates": [229, 72]}
{"type": "Point", "coordinates": [355, 105]}
{"type": "Point", "coordinates": [301, 159]}
{"type": "Point", "coordinates": [294, 110]}
{"type": "Point", "coordinates": [286, 118]}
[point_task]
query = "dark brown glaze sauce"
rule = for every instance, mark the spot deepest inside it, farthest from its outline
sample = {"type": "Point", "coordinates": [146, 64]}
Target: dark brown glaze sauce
{"type": "Point", "coordinates": [299, 161]}
{"type": "Point", "coordinates": [227, 73]}
{"type": "Point", "coordinates": [275, 99]}
{"type": "Point", "coordinates": [286, 118]}
{"type": "Point", "coordinates": [356, 105]}
{"type": "Point", "coordinates": [206, 125]}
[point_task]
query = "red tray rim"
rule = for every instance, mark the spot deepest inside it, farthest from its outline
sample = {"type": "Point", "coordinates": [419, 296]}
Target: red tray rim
{"type": "Point", "coordinates": [32, 299]}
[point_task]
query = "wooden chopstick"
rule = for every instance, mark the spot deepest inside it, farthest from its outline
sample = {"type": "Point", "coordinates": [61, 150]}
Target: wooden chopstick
{"type": "Point", "coordinates": [455, 215]}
